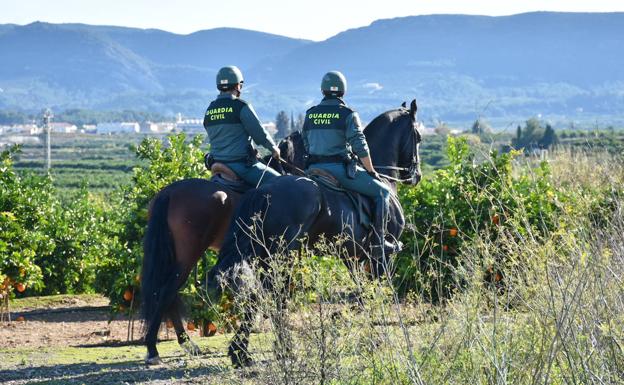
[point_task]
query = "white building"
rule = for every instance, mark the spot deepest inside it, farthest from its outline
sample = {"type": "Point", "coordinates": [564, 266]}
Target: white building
{"type": "Point", "coordinates": [118, 128]}
{"type": "Point", "coordinates": [270, 127]}
{"type": "Point", "coordinates": [88, 129]}
{"type": "Point", "coordinates": [158, 127]}
{"type": "Point", "coordinates": [190, 125]}
{"type": "Point", "coordinates": [63, 127]}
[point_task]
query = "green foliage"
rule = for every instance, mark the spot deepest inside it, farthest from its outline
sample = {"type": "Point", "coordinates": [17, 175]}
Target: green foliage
{"type": "Point", "coordinates": [282, 124]}
{"type": "Point", "coordinates": [163, 163]}
{"type": "Point", "coordinates": [533, 135]}
{"type": "Point", "coordinates": [480, 127]}
{"type": "Point", "coordinates": [457, 203]}
{"type": "Point", "coordinates": [25, 211]}
{"type": "Point", "coordinates": [79, 228]}
{"type": "Point", "coordinates": [49, 244]}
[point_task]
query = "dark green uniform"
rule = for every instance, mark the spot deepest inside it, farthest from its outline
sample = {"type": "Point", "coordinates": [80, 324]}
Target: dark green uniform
{"type": "Point", "coordinates": [231, 124]}
{"type": "Point", "coordinates": [330, 131]}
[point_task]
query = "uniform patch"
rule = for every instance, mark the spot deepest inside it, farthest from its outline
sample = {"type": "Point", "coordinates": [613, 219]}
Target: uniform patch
{"type": "Point", "coordinates": [323, 118]}
{"type": "Point", "coordinates": [224, 81]}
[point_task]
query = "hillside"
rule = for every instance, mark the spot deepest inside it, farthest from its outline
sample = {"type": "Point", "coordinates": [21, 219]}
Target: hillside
{"type": "Point", "coordinates": [560, 65]}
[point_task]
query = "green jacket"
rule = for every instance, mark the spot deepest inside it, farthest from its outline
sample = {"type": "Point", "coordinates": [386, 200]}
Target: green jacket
{"type": "Point", "coordinates": [231, 124]}
{"type": "Point", "coordinates": [332, 128]}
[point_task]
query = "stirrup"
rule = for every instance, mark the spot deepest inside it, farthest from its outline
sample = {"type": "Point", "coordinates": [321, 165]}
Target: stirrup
{"type": "Point", "coordinates": [388, 248]}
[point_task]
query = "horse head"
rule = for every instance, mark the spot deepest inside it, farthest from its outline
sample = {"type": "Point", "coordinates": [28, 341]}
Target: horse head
{"type": "Point", "coordinates": [394, 141]}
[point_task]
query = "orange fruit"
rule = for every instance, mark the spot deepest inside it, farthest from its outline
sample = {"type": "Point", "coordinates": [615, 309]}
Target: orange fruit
{"type": "Point", "coordinates": [211, 329]}
{"type": "Point", "coordinates": [453, 232]}
{"type": "Point", "coordinates": [445, 247]}
{"type": "Point", "coordinates": [20, 287]}
{"type": "Point", "coordinates": [495, 219]}
{"type": "Point", "coordinates": [20, 319]}
{"type": "Point", "coordinates": [169, 324]}
{"type": "Point", "coordinates": [190, 326]}
{"type": "Point", "coordinates": [498, 277]}
{"type": "Point", "coordinates": [127, 295]}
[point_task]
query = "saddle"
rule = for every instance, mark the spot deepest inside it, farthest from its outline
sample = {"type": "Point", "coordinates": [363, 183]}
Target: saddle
{"type": "Point", "coordinates": [362, 204]}
{"type": "Point", "coordinates": [224, 171]}
{"type": "Point", "coordinates": [224, 175]}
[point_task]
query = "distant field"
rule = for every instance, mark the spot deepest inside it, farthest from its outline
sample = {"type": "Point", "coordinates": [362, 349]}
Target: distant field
{"type": "Point", "coordinates": [105, 162]}
{"type": "Point", "coordinates": [102, 163]}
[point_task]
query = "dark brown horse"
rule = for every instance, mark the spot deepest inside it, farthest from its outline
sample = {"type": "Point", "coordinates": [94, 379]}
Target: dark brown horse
{"type": "Point", "coordinates": [185, 219]}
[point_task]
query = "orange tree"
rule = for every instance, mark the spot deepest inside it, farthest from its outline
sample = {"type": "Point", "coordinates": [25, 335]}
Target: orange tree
{"type": "Point", "coordinates": [24, 214]}
{"type": "Point", "coordinates": [162, 163]}
{"type": "Point", "coordinates": [457, 203]}
{"type": "Point", "coordinates": [79, 227]}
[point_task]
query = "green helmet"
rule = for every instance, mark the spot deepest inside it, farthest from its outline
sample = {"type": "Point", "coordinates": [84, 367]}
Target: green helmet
{"type": "Point", "coordinates": [334, 81]}
{"type": "Point", "coordinates": [228, 76]}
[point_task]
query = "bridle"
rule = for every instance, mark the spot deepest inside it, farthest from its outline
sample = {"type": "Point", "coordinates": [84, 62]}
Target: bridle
{"type": "Point", "coordinates": [413, 169]}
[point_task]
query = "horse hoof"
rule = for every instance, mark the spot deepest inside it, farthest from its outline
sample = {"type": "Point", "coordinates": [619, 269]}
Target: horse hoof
{"type": "Point", "coordinates": [191, 348]}
{"type": "Point", "coordinates": [241, 360]}
{"type": "Point", "coordinates": [153, 360]}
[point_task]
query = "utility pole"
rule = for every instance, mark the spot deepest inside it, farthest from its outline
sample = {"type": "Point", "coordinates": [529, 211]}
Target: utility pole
{"type": "Point", "coordinates": [47, 118]}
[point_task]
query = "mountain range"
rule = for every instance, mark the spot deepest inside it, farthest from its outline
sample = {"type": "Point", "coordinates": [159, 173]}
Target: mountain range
{"type": "Point", "coordinates": [564, 66]}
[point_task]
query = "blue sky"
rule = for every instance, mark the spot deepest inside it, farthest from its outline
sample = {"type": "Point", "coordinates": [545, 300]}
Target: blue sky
{"type": "Point", "coordinates": [315, 20]}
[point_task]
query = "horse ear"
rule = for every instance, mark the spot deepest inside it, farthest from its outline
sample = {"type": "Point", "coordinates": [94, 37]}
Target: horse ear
{"type": "Point", "coordinates": [404, 104]}
{"type": "Point", "coordinates": [413, 109]}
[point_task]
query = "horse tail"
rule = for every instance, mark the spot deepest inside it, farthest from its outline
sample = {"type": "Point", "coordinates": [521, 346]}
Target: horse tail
{"type": "Point", "coordinates": [158, 276]}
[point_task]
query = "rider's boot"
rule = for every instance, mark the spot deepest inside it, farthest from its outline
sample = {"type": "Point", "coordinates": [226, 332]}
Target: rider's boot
{"type": "Point", "coordinates": [380, 247]}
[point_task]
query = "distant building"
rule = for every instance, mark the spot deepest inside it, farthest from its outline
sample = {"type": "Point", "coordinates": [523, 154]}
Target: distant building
{"type": "Point", "coordinates": [190, 125]}
{"type": "Point", "coordinates": [271, 128]}
{"type": "Point", "coordinates": [118, 128]}
{"type": "Point", "coordinates": [88, 129]}
{"type": "Point", "coordinates": [63, 127]}
{"type": "Point", "coordinates": [157, 127]}
{"type": "Point", "coordinates": [425, 130]}
{"type": "Point", "coordinates": [24, 129]}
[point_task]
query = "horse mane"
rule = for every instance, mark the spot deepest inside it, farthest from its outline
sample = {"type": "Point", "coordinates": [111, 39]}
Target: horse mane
{"type": "Point", "coordinates": [385, 119]}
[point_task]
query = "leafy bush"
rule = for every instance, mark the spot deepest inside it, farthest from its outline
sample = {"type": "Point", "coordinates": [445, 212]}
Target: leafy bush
{"type": "Point", "coordinates": [25, 210]}
{"type": "Point", "coordinates": [163, 163]}
{"type": "Point", "coordinates": [78, 229]}
{"type": "Point", "coordinates": [457, 203]}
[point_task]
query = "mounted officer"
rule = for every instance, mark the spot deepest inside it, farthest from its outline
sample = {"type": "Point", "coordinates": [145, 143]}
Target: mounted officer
{"type": "Point", "coordinates": [332, 132]}
{"type": "Point", "coordinates": [231, 124]}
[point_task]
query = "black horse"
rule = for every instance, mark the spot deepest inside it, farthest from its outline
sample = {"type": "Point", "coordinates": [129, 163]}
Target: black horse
{"type": "Point", "coordinates": [393, 139]}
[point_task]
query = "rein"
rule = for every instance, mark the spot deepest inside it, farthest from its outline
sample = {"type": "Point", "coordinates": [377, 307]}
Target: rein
{"type": "Point", "coordinates": [397, 180]}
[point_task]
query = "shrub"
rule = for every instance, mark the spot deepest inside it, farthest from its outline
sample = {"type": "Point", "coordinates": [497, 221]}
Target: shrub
{"type": "Point", "coordinates": [162, 164]}
{"type": "Point", "coordinates": [468, 196]}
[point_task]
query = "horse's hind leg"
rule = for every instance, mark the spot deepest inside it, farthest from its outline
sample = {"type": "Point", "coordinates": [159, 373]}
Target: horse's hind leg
{"type": "Point", "coordinates": [167, 296]}
{"type": "Point", "coordinates": [175, 315]}
{"type": "Point", "coordinates": [238, 349]}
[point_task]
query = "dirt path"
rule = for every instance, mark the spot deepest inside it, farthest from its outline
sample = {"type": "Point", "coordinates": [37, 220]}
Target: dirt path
{"type": "Point", "coordinates": [79, 321]}
{"type": "Point", "coordinates": [73, 341]}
